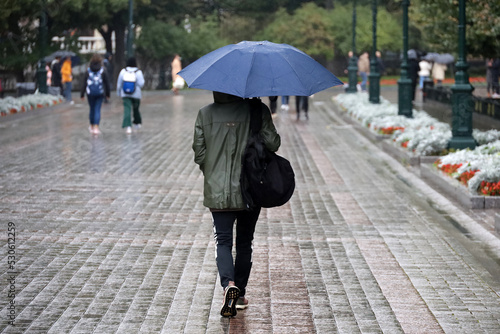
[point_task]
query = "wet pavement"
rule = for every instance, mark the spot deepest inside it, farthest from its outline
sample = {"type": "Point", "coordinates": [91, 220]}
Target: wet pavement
{"type": "Point", "coordinates": [111, 235]}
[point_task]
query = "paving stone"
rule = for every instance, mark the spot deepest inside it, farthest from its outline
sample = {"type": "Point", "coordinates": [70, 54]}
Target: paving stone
{"type": "Point", "coordinates": [112, 236]}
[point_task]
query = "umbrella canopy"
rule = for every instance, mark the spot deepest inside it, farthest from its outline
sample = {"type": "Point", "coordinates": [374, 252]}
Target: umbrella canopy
{"type": "Point", "coordinates": [59, 53]}
{"type": "Point", "coordinates": [412, 54]}
{"type": "Point", "coordinates": [431, 56]}
{"type": "Point", "coordinates": [445, 58]}
{"type": "Point", "coordinates": [255, 69]}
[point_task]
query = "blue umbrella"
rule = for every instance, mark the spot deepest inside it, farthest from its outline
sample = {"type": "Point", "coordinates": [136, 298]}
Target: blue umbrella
{"type": "Point", "coordinates": [255, 69]}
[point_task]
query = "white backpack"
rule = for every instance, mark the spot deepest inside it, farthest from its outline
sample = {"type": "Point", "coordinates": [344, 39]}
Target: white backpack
{"type": "Point", "coordinates": [129, 81]}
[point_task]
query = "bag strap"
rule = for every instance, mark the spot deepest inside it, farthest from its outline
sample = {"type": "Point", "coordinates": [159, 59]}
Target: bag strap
{"type": "Point", "coordinates": [255, 115]}
{"type": "Point", "coordinates": [134, 71]}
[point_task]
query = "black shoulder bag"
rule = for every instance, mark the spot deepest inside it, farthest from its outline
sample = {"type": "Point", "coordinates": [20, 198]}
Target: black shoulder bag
{"type": "Point", "coordinates": [267, 179]}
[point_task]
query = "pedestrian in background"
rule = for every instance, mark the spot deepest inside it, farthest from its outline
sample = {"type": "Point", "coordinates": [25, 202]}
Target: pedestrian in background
{"type": "Point", "coordinates": [438, 73]}
{"type": "Point", "coordinates": [284, 102]}
{"type": "Point", "coordinates": [425, 72]}
{"type": "Point", "coordinates": [177, 81]}
{"type": "Point", "coordinates": [67, 78]}
{"type": "Point", "coordinates": [413, 69]}
{"type": "Point", "coordinates": [56, 80]}
{"type": "Point", "coordinates": [273, 104]}
{"type": "Point", "coordinates": [302, 103]}
{"type": "Point", "coordinates": [220, 161]}
{"type": "Point", "coordinates": [96, 86]}
{"type": "Point", "coordinates": [380, 63]}
{"type": "Point", "coordinates": [364, 69]}
{"type": "Point", "coordinates": [128, 87]}
{"type": "Point", "coordinates": [108, 66]}
{"type": "Point", "coordinates": [493, 66]}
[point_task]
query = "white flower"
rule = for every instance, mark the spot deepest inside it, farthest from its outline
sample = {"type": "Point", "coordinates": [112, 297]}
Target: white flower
{"type": "Point", "coordinates": [427, 136]}
{"type": "Point", "coordinates": [28, 102]}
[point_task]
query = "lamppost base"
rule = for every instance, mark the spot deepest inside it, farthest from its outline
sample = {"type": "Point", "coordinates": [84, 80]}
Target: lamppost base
{"type": "Point", "coordinates": [462, 108]}
{"type": "Point", "coordinates": [374, 88]}
{"type": "Point", "coordinates": [405, 106]}
{"type": "Point", "coordinates": [461, 143]}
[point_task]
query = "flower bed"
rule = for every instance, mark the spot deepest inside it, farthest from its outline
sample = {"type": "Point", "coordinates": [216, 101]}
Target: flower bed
{"type": "Point", "coordinates": [424, 135]}
{"type": "Point", "coordinates": [478, 169]}
{"type": "Point", "coordinates": [12, 105]}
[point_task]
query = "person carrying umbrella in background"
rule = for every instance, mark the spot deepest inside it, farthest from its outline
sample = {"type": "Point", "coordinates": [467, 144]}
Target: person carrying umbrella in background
{"type": "Point", "coordinates": [438, 72]}
{"type": "Point", "coordinates": [440, 66]}
{"type": "Point", "coordinates": [413, 69]}
{"type": "Point", "coordinates": [67, 78]}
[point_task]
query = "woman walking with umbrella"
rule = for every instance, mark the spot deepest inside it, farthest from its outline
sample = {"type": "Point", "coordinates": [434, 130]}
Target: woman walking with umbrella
{"type": "Point", "coordinates": [234, 73]}
{"type": "Point", "coordinates": [220, 159]}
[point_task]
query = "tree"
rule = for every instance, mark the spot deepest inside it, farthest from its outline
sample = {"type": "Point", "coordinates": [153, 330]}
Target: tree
{"type": "Point", "coordinates": [107, 16]}
{"type": "Point", "coordinates": [308, 29]}
{"type": "Point", "coordinates": [325, 34]}
{"type": "Point", "coordinates": [18, 35]}
{"type": "Point", "coordinates": [438, 20]}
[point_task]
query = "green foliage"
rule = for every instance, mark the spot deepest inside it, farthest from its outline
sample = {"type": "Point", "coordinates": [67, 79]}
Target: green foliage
{"type": "Point", "coordinates": [438, 20]}
{"type": "Point", "coordinates": [159, 40]}
{"type": "Point", "coordinates": [319, 32]}
{"type": "Point", "coordinates": [308, 29]}
{"type": "Point", "coordinates": [17, 33]}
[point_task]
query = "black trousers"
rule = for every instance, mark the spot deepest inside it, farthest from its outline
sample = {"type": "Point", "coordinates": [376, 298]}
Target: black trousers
{"type": "Point", "coordinates": [302, 103]}
{"type": "Point", "coordinates": [239, 270]}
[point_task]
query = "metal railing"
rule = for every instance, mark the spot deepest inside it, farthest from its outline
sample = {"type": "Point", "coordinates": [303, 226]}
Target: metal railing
{"type": "Point", "coordinates": [482, 105]}
{"type": "Point", "coordinates": [86, 44]}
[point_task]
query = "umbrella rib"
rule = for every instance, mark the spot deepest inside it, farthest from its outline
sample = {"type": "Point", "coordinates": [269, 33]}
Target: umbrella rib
{"type": "Point", "coordinates": [293, 69]}
{"type": "Point", "coordinates": [249, 70]}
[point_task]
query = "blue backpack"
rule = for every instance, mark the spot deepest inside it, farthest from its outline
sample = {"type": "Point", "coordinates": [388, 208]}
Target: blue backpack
{"type": "Point", "coordinates": [129, 79]}
{"type": "Point", "coordinates": [95, 85]}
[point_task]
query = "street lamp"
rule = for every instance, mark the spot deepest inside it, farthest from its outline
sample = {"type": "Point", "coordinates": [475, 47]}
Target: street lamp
{"type": "Point", "coordinates": [41, 72]}
{"type": "Point", "coordinates": [404, 83]}
{"type": "Point", "coordinates": [352, 69]}
{"type": "Point", "coordinates": [130, 34]}
{"type": "Point", "coordinates": [461, 99]}
{"type": "Point", "coordinates": [374, 75]}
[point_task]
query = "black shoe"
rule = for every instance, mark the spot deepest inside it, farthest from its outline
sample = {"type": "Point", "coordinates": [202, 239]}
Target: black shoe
{"type": "Point", "coordinates": [231, 295]}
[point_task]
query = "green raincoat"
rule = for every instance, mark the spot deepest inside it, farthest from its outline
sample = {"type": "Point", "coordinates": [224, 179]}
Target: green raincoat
{"type": "Point", "coordinates": [220, 137]}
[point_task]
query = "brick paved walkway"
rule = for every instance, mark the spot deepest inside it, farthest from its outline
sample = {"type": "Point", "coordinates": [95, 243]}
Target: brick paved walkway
{"type": "Point", "coordinates": [112, 237]}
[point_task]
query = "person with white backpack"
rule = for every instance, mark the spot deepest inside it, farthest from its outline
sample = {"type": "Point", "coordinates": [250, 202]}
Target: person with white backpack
{"type": "Point", "coordinates": [96, 85]}
{"type": "Point", "coordinates": [128, 87]}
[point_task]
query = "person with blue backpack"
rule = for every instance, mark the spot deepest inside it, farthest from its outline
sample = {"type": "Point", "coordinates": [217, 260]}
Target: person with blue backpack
{"type": "Point", "coordinates": [96, 85]}
{"type": "Point", "coordinates": [128, 87]}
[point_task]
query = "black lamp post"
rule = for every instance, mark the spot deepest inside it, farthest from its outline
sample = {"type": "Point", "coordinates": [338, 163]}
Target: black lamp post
{"type": "Point", "coordinates": [461, 99]}
{"type": "Point", "coordinates": [352, 68]}
{"type": "Point", "coordinates": [130, 33]}
{"type": "Point", "coordinates": [374, 74]}
{"type": "Point", "coordinates": [404, 83]}
{"type": "Point", "coordinates": [41, 72]}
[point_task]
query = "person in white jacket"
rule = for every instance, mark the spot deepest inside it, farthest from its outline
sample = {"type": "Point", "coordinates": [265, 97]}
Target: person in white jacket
{"type": "Point", "coordinates": [128, 87]}
{"type": "Point", "coordinates": [425, 71]}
